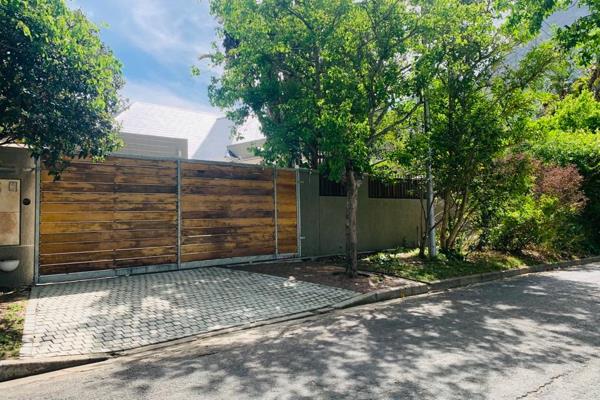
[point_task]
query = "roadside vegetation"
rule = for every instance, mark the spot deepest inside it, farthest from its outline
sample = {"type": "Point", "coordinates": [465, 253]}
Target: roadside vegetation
{"type": "Point", "coordinates": [12, 313]}
{"type": "Point", "coordinates": [406, 263]}
{"type": "Point", "coordinates": [505, 127]}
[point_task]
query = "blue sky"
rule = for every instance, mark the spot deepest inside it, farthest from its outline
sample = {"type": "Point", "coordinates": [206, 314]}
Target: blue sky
{"type": "Point", "coordinates": [158, 41]}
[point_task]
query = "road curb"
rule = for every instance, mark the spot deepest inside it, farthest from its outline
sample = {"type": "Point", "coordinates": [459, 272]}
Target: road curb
{"type": "Point", "coordinates": [452, 283]}
{"type": "Point", "coordinates": [15, 369]}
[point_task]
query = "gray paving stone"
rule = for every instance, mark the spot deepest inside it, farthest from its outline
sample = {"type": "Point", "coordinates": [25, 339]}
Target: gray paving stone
{"type": "Point", "coordinates": [127, 312]}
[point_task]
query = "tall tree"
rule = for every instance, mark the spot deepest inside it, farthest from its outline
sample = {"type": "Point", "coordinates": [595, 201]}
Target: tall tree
{"type": "Point", "coordinates": [58, 83]}
{"type": "Point", "coordinates": [327, 79]}
{"type": "Point", "coordinates": [479, 103]}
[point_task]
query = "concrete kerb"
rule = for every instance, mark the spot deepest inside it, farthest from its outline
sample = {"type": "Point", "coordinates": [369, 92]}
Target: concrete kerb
{"type": "Point", "coordinates": [452, 283]}
{"type": "Point", "coordinates": [14, 369]}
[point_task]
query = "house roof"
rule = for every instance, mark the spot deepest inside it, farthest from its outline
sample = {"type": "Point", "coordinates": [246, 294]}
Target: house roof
{"type": "Point", "coordinates": [208, 135]}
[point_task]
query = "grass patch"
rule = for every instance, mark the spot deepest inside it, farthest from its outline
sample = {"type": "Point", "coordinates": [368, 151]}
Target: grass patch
{"type": "Point", "coordinates": [406, 264]}
{"type": "Point", "coordinates": [12, 315]}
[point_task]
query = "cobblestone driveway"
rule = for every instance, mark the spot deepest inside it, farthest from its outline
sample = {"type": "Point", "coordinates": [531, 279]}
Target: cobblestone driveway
{"type": "Point", "coordinates": [127, 312]}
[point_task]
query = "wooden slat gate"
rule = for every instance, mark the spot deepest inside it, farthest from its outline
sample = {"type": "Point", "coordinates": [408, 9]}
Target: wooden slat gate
{"type": "Point", "coordinates": [127, 212]}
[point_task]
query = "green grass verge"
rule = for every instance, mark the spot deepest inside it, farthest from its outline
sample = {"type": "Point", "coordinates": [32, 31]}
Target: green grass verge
{"type": "Point", "coordinates": [12, 313]}
{"type": "Point", "coordinates": [407, 264]}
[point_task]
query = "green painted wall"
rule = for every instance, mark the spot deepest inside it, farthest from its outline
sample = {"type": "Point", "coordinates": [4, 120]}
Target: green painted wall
{"type": "Point", "coordinates": [382, 223]}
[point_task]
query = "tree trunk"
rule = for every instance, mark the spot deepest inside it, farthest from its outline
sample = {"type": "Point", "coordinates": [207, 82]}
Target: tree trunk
{"type": "Point", "coordinates": [352, 185]}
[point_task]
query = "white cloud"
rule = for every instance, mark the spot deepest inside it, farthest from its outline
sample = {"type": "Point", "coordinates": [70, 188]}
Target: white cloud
{"type": "Point", "coordinates": [171, 31]}
{"type": "Point", "coordinates": [160, 30]}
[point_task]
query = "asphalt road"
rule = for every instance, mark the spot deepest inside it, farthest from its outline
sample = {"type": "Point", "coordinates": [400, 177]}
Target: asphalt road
{"type": "Point", "coordinates": [531, 337]}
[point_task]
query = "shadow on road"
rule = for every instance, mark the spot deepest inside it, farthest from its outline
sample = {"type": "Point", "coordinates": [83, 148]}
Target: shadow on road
{"type": "Point", "coordinates": [454, 344]}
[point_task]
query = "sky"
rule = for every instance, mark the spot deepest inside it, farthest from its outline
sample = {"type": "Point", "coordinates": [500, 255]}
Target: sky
{"type": "Point", "coordinates": [157, 42]}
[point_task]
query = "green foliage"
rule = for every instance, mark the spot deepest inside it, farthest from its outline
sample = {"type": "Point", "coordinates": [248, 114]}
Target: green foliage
{"type": "Point", "coordinates": [58, 82]}
{"type": "Point", "coordinates": [576, 111]}
{"type": "Point", "coordinates": [408, 265]}
{"type": "Point", "coordinates": [325, 78]}
{"type": "Point", "coordinates": [583, 35]}
{"type": "Point", "coordinates": [570, 134]}
{"type": "Point", "coordinates": [547, 216]}
{"type": "Point", "coordinates": [12, 312]}
{"type": "Point", "coordinates": [480, 105]}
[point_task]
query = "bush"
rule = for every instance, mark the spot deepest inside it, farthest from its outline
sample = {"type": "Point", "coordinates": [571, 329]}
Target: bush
{"type": "Point", "coordinates": [546, 217]}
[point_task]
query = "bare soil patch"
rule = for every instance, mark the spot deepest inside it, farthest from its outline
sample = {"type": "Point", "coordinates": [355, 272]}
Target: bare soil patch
{"type": "Point", "coordinates": [329, 273]}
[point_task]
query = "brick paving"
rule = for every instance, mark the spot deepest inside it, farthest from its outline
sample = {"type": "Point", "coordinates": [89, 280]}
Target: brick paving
{"type": "Point", "coordinates": [127, 312]}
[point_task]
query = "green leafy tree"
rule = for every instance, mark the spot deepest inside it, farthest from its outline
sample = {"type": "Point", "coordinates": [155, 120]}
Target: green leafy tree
{"type": "Point", "coordinates": [327, 79]}
{"type": "Point", "coordinates": [582, 36]}
{"type": "Point", "coordinates": [58, 83]}
{"type": "Point", "coordinates": [479, 107]}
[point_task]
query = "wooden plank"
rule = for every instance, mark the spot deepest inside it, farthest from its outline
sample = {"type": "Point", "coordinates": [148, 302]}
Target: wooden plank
{"type": "Point", "coordinates": [199, 170]}
{"type": "Point", "coordinates": [226, 254]}
{"type": "Point", "coordinates": [216, 182]}
{"type": "Point", "coordinates": [87, 216]}
{"type": "Point", "coordinates": [144, 216]}
{"type": "Point", "coordinates": [291, 249]}
{"type": "Point", "coordinates": [136, 185]}
{"type": "Point", "coordinates": [74, 227]}
{"type": "Point", "coordinates": [146, 198]}
{"type": "Point", "coordinates": [96, 207]}
{"type": "Point", "coordinates": [89, 177]}
{"type": "Point", "coordinates": [219, 214]}
{"type": "Point", "coordinates": [75, 247]}
{"type": "Point", "coordinates": [229, 246]}
{"type": "Point", "coordinates": [286, 215]}
{"type": "Point", "coordinates": [143, 172]}
{"type": "Point", "coordinates": [146, 179]}
{"type": "Point", "coordinates": [107, 197]}
{"type": "Point", "coordinates": [144, 252]}
{"type": "Point", "coordinates": [245, 238]}
{"type": "Point", "coordinates": [265, 205]}
{"type": "Point", "coordinates": [225, 190]}
{"type": "Point", "coordinates": [286, 208]}
{"type": "Point", "coordinates": [75, 267]}
{"type": "Point", "coordinates": [82, 167]}
{"type": "Point", "coordinates": [125, 161]}
{"type": "Point", "coordinates": [132, 188]}
{"type": "Point", "coordinates": [187, 199]}
{"type": "Point", "coordinates": [135, 225]}
{"type": "Point", "coordinates": [235, 230]}
{"type": "Point", "coordinates": [138, 262]}
{"type": "Point", "coordinates": [105, 236]}
{"type": "Point", "coordinates": [61, 258]}
{"type": "Point", "coordinates": [227, 222]}
{"type": "Point", "coordinates": [137, 162]}
{"type": "Point", "coordinates": [62, 197]}
{"type": "Point", "coordinates": [67, 227]}
{"type": "Point", "coordinates": [61, 186]}
{"type": "Point", "coordinates": [286, 222]}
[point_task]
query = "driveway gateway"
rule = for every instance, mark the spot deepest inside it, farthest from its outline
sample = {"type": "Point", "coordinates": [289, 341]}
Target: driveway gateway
{"type": "Point", "coordinates": [127, 312]}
